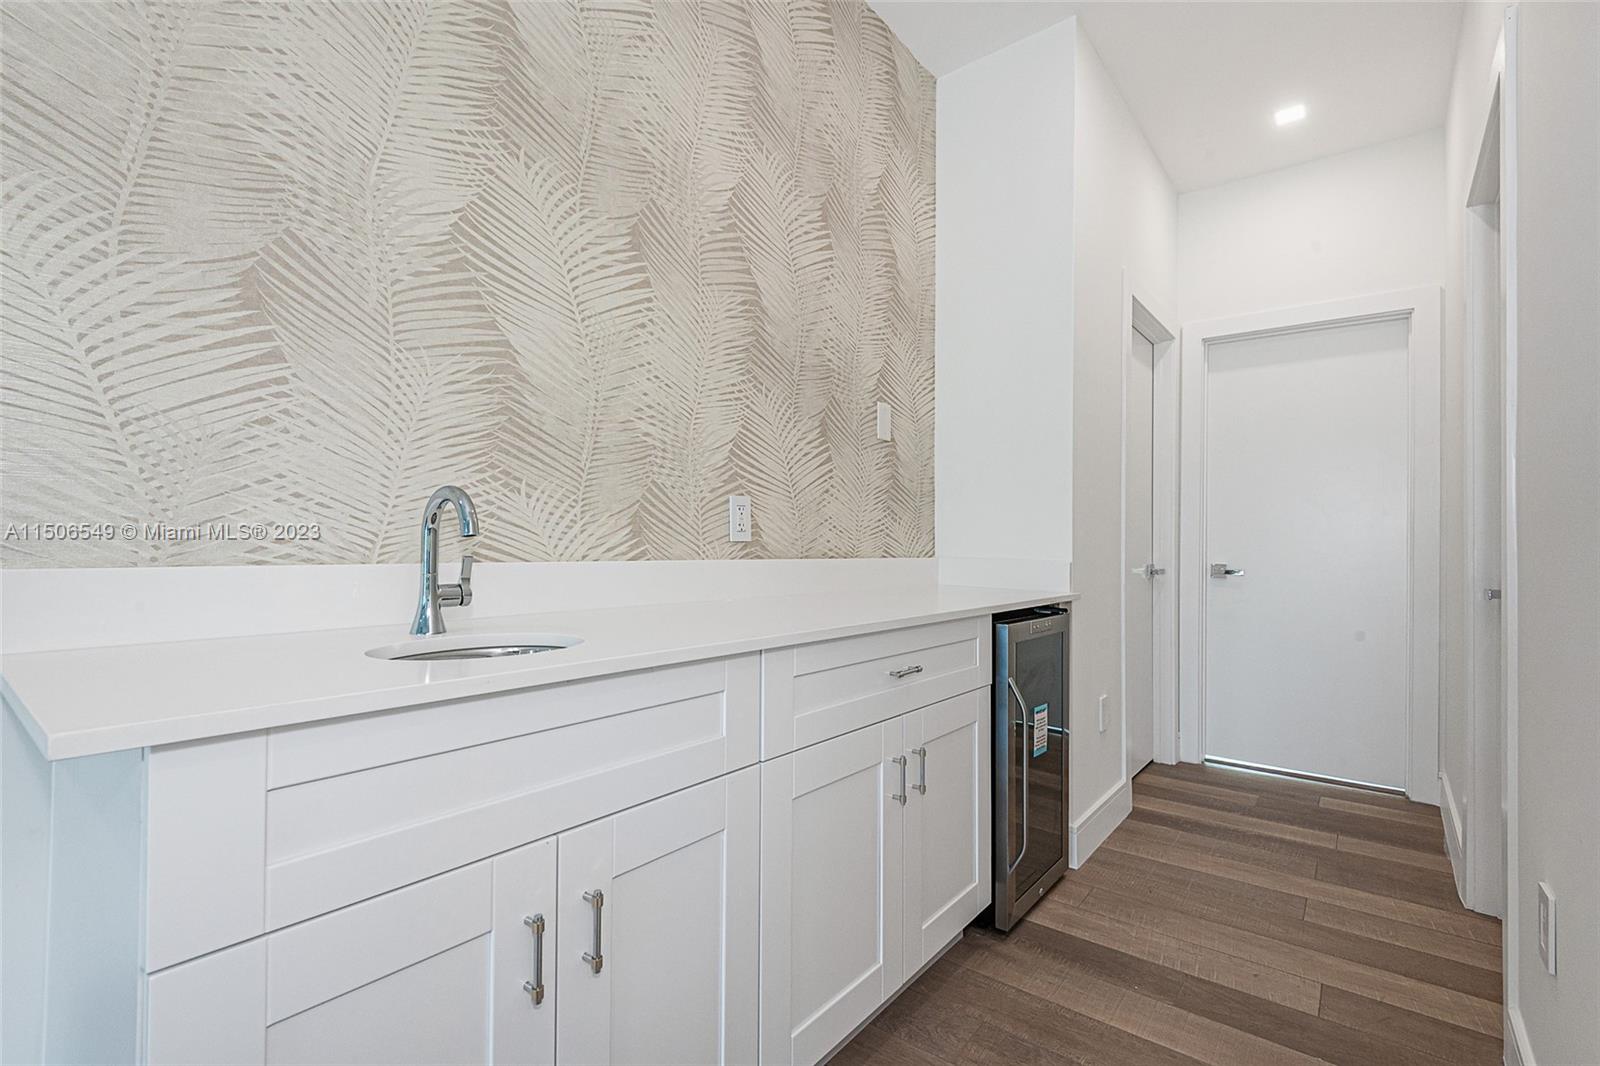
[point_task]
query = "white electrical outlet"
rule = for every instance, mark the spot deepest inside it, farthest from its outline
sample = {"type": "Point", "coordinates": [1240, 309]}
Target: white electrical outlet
{"type": "Point", "coordinates": [739, 520]}
{"type": "Point", "coordinates": [1547, 927]}
{"type": "Point", "coordinates": [885, 423]}
{"type": "Point", "coordinates": [1103, 697]}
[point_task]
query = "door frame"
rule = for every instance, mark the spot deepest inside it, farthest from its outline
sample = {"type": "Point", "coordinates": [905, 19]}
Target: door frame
{"type": "Point", "coordinates": [1505, 66]}
{"type": "Point", "coordinates": [1141, 311]}
{"type": "Point", "coordinates": [1421, 308]}
{"type": "Point", "coordinates": [1475, 838]}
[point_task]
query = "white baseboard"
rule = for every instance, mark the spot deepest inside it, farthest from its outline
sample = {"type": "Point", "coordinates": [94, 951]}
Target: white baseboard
{"type": "Point", "coordinates": [1090, 831]}
{"type": "Point", "coordinates": [1518, 1051]}
{"type": "Point", "coordinates": [1454, 836]}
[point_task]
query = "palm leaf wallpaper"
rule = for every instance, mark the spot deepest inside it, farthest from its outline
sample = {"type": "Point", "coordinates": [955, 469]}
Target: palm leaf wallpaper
{"type": "Point", "coordinates": [601, 263]}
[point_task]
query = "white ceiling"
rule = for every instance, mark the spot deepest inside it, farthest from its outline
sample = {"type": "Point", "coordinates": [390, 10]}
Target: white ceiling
{"type": "Point", "coordinates": [1203, 79]}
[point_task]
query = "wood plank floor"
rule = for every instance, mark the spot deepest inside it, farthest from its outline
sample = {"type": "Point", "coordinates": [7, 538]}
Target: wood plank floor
{"type": "Point", "coordinates": [1234, 918]}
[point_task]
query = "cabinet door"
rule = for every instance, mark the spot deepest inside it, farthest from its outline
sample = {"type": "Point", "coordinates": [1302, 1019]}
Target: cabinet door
{"type": "Point", "coordinates": [658, 930]}
{"type": "Point", "coordinates": [947, 823]}
{"type": "Point", "coordinates": [523, 997]}
{"type": "Point", "coordinates": [831, 922]}
{"type": "Point", "coordinates": [430, 973]}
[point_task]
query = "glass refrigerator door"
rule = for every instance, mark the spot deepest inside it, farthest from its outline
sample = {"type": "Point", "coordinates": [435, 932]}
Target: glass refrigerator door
{"type": "Point", "coordinates": [1038, 749]}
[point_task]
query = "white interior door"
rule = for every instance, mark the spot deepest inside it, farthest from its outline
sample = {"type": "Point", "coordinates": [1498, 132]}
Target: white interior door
{"type": "Point", "coordinates": [1307, 638]}
{"type": "Point", "coordinates": [1481, 799]}
{"type": "Point", "coordinates": [1138, 612]}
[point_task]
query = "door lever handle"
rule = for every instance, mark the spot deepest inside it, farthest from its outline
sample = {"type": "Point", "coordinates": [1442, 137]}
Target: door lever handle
{"type": "Point", "coordinates": [1224, 570]}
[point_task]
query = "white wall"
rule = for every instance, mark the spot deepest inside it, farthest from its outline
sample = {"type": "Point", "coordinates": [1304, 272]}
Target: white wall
{"type": "Point", "coordinates": [1004, 339]}
{"type": "Point", "coordinates": [1359, 222]}
{"type": "Point", "coordinates": [1125, 218]}
{"type": "Point", "coordinates": [1557, 456]}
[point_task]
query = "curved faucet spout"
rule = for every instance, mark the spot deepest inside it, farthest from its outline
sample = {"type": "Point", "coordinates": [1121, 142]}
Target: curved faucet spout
{"type": "Point", "coordinates": [430, 620]}
{"type": "Point", "coordinates": [450, 495]}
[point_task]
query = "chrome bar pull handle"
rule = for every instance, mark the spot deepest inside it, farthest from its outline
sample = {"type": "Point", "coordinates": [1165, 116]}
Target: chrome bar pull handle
{"type": "Point", "coordinates": [900, 761]}
{"type": "Point", "coordinates": [906, 671]}
{"type": "Point", "coordinates": [596, 960]}
{"type": "Point", "coordinates": [1027, 755]}
{"type": "Point", "coordinates": [535, 987]}
{"type": "Point", "coordinates": [922, 770]}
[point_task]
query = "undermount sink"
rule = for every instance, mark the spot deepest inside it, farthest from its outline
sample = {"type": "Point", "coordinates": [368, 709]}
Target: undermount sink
{"type": "Point", "coordinates": [473, 646]}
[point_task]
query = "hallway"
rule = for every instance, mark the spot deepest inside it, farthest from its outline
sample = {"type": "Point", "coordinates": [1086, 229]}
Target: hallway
{"type": "Point", "coordinates": [1233, 918]}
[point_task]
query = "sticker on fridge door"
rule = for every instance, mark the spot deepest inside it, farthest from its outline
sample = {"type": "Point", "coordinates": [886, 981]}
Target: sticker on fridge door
{"type": "Point", "coordinates": [1041, 729]}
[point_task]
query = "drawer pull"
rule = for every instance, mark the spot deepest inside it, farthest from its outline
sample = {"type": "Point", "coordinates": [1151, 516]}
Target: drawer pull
{"type": "Point", "coordinates": [596, 960]}
{"type": "Point", "coordinates": [905, 671]}
{"type": "Point", "coordinates": [535, 987]}
{"type": "Point", "coordinates": [922, 770]}
{"type": "Point", "coordinates": [900, 761]}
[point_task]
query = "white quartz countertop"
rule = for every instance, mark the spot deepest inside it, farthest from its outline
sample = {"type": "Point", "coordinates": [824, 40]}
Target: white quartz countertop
{"type": "Point", "coordinates": [86, 701]}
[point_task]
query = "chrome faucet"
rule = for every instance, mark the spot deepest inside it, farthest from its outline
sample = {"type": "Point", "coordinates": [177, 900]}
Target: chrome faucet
{"type": "Point", "coordinates": [430, 621]}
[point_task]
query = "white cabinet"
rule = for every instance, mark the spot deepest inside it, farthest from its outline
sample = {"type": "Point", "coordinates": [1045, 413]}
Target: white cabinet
{"type": "Point", "coordinates": [633, 939]}
{"type": "Point", "coordinates": [874, 857]}
{"type": "Point", "coordinates": [658, 941]}
{"type": "Point", "coordinates": [947, 830]}
{"type": "Point", "coordinates": [442, 971]}
{"type": "Point", "coordinates": [816, 691]}
{"type": "Point", "coordinates": [525, 977]}
{"type": "Point", "coordinates": [596, 872]}
{"type": "Point", "coordinates": [831, 923]}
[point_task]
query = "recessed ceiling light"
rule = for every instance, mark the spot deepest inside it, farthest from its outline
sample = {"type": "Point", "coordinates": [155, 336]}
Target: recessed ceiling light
{"type": "Point", "coordinates": [1284, 116]}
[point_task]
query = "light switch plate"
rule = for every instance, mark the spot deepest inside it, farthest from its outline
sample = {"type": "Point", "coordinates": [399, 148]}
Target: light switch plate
{"type": "Point", "coordinates": [739, 520]}
{"type": "Point", "coordinates": [1547, 927]}
{"type": "Point", "coordinates": [885, 422]}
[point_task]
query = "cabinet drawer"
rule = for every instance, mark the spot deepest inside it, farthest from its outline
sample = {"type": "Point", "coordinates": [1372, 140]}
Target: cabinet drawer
{"type": "Point", "coordinates": [429, 789]}
{"type": "Point", "coordinates": [817, 691]}
{"type": "Point", "coordinates": [253, 833]}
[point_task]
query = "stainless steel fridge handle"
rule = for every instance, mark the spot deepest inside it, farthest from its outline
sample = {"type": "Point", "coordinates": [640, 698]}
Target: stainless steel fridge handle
{"type": "Point", "coordinates": [1011, 684]}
